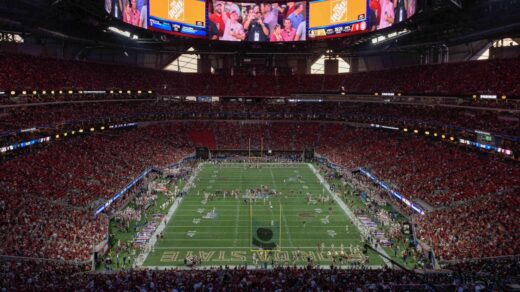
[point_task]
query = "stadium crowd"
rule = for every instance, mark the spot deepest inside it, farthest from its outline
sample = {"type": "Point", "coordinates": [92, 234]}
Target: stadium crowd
{"type": "Point", "coordinates": [498, 76]}
{"type": "Point", "coordinates": [489, 275]}
{"type": "Point", "coordinates": [48, 196]}
{"type": "Point", "coordinates": [434, 118]}
{"type": "Point", "coordinates": [80, 172]}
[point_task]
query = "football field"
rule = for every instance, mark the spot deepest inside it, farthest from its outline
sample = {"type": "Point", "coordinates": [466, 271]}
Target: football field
{"type": "Point", "coordinates": [238, 214]}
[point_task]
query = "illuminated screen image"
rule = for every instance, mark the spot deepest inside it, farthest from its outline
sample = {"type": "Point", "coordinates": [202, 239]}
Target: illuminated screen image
{"type": "Point", "coordinates": [134, 12]}
{"type": "Point", "coordinates": [385, 13]}
{"type": "Point", "coordinates": [262, 22]}
{"type": "Point", "coordinates": [333, 18]}
{"type": "Point", "coordinates": [251, 22]}
{"type": "Point", "coordinates": [185, 17]}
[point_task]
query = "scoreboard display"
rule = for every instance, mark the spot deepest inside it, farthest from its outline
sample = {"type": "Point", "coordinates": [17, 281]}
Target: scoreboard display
{"type": "Point", "coordinates": [184, 17]}
{"type": "Point", "coordinates": [262, 22]}
{"type": "Point", "coordinates": [333, 18]}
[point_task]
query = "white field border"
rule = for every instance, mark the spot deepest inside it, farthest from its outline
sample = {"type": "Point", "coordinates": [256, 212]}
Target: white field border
{"type": "Point", "coordinates": [139, 261]}
{"type": "Point", "coordinates": [349, 213]}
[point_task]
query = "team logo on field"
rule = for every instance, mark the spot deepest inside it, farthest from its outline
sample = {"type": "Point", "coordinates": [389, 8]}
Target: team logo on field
{"type": "Point", "coordinates": [191, 233]}
{"type": "Point", "coordinates": [265, 234]}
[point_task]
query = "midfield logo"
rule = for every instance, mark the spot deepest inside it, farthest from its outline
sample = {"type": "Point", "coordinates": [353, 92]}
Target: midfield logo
{"type": "Point", "coordinates": [176, 9]}
{"type": "Point", "coordinates": [338, 11]}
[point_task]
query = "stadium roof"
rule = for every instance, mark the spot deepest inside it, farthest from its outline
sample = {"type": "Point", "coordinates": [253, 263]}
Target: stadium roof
{"type": "Point", "coordinates": [440, 22]}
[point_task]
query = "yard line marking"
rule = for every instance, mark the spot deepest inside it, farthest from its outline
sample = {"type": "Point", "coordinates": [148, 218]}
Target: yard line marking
{"type": "Point", "coordinates": [237, 219]}
{"type": "Point", "coordinates": [228, 247]}
{"type": "Point", "coordinates": [283, 216]}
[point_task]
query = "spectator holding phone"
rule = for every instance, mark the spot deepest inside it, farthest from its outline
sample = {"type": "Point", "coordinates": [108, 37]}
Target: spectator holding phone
{"type": "Point", "coordinates": [234, 31]}
{"type": "Point", "coordinates": [257, 30]}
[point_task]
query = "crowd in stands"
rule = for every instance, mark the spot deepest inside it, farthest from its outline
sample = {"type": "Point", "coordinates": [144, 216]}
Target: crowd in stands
{"type": "Point", "coordinates": [490, 275]}
{"type": "Point", "coordinates": [36, 275]}
{"type": "Point", "coordinates": [48, 196]}
{"type": "Point", "coordinates": [33, 226]}
{"type": "Point", "coordinates": [499, 76]}
{"type": "Point", "coordinates": [73, 175]}
{"type": "Point", "coordinates": [58, 118]}
{"type": "Point", "coordinates": [482, 228]}
{"type": "Point", "coordinates": [505, 268]}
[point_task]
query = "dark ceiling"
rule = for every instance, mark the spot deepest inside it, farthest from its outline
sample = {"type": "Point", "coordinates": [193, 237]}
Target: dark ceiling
{"type": "Point", "coordinates": [440, 22]}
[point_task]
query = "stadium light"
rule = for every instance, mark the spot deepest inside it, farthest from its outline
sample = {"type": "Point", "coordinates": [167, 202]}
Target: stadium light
{"type": "Point", "coordinates": [61, 92]}
{"type": "Point", "coordinates": [44, 92]}
{"type": "Point", "coordinates": [139, 92]}
{"type": "Point", "coordinates": [434, 134]}
{"type": "Point", "coordinates": [129, 91]}
{"type": "Point", "coordinates": [34, 92]}
{"type": "Point", "coordinates": [13, 92]}
{"type": "Point", "coordinates": [120, 91]}
{"type": "Point", "coordinates": [65, 134]}
{"type": "Point", "coordinates": [73, 132]}
{"type": "Point", "coordinates": [70, 92]}
{"type": "Point", "coordinates": [416, 131]}
{"type": "Point", "coordinates": [451, 138]}
{"type": "Point", "coordinates": [111, 92]}
{"type": "Point", "coordinates": [504, 97]}
{"type": "Point", "coordinates": [81, 130]}
{"type": "Point", "coordinates": [24, 92]}
{"type": "Point", "coordinates": [92, 129]}
{"type": "Point", "coordinates": [427, 133]}
{"type": "Point", "coordinates": [405, 130]}
{"type": "Point", "coordinates": [443, 136]}
{"type": "Point", "coordinates": [149, 92]}
{"type": "Point", "coordinates": [57, 136]}
{"type": "Point", "coordinates": [52, 91]}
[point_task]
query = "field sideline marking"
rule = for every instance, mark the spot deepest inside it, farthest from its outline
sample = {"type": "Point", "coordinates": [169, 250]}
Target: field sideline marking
{"type": "Point", "coordinates": [347, 212]}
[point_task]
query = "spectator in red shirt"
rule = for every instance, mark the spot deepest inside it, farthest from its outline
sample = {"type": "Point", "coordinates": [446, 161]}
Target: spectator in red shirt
{"type": "Point", "coordinates": [216, 17]}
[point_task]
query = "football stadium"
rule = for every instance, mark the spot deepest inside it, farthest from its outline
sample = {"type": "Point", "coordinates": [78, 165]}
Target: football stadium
{"type": "Point", "coordinates": [206, 145]}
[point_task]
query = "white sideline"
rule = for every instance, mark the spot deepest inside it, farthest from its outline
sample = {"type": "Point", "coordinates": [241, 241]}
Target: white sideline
{"type": "Point", "coordinates": [139, 261]}
{"type": "Point", "coordinates": [348, 212]}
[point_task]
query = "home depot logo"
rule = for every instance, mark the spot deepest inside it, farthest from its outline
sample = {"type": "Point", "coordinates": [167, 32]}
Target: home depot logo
{"type": "Point", "coordinates": [338, 10]}
{"type": "Point", "coordinates": [176, 9]}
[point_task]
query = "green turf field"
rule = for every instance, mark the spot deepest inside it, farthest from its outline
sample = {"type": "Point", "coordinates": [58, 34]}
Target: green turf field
{"type": "Point", "coordinates": [228, 231]}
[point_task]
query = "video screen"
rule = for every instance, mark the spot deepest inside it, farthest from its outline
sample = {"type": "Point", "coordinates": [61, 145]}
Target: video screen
{"type": "Point", "coordinates": [334, 18]}
{"type": "Point", "coordinates": [257, 22]}
{"type": "Point", "coordinates": [262, 22]}
{"type": "Point", "coordinates": [385, 13]}
{"type": "Point", "coordinates": [134, 12]}
{"type": "Point", "coordinates": [185, 17]}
